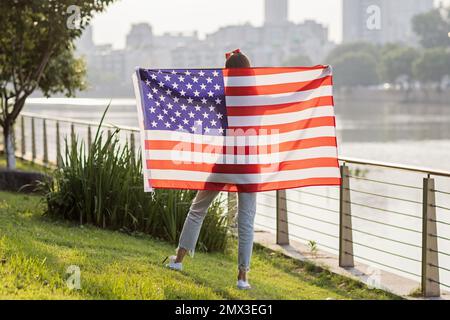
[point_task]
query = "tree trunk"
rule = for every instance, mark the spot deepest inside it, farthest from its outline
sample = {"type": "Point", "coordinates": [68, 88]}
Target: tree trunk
{"type": "Point", "coordinates": [8, 131]}
{"type": "Point", "coordinates": [9, 146]}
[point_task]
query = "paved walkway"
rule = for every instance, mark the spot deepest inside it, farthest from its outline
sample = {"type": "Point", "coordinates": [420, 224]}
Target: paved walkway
{"type": "Point", "coordinates": [371, 276]}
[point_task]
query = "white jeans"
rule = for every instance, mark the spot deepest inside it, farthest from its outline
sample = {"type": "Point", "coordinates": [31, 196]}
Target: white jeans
{"type": "Point", "coordinates": [246, 217]}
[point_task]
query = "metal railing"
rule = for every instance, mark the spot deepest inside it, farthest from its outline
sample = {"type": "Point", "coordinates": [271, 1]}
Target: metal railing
{"type": "Point", "coordinates": [381, 226]}
{"type": "Point", "coordinates": [393, 216]}
{"type": "Point", "coordinates": [48, 131]}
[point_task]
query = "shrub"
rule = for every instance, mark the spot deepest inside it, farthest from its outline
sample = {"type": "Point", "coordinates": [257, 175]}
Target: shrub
{"type": "Point", "coordinates": [103, 186]}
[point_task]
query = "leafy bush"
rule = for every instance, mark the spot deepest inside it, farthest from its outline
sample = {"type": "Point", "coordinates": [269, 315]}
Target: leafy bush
{"type": "Point", "coordinates": [103, 186]}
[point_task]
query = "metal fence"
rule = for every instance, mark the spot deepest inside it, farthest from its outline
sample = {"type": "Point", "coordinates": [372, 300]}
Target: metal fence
{"type": "Point", "coordinates": [41, 139]}
{"type": "Point", "coordinates": [391, 216]}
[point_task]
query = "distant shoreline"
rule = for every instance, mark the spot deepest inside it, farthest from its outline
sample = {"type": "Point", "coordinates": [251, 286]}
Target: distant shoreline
{"type": "Point", "coordinates": [355, 94]}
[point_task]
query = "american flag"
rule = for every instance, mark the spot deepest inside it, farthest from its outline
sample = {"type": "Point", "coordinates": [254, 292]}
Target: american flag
{"type": "Point", "coordinates": [246, 130]}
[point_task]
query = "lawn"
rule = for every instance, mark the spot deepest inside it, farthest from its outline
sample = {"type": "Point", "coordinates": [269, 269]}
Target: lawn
{"type": "Point", "coordinates": [35, 253]}
{"type": "Point", "coordinates": [21, 164]}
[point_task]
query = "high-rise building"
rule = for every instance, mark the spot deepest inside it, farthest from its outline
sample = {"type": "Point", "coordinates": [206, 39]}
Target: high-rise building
{"type": "Point", "coordinates": [275, 11]}
{"type": "Point", "coordinates": [140, 36]}
{"type": "Point", "coordinates": [381, 21]}
{"type": "Point", "coordinates": [85, 44]}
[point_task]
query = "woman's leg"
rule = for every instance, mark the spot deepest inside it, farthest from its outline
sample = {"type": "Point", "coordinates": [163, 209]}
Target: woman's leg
{"type": "Point", "coordinates": [246, 218]}
{"type": "Point", "coordinates": [193, 222]}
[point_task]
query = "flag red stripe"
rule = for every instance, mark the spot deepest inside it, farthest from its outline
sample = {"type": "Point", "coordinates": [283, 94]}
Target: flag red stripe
{"type": "Point", "coordinates": [243, 168]}
{"type": "Point", "coordinates": [278, 88]}
{"type": "Point", "coordinates": [195, 185]}
{"type": "Point", "coordinates": [280, 108]}
{"type": "Point", "coordinates": [232, 72]}
{"type": "Point", "coordinates": [298, 125]}
{"type": "Point", "coordinates": [247, 150]}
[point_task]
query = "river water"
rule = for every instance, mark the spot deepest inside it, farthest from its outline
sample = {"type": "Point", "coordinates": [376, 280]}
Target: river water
{"type": "Point", "coordinates": [410, 134]}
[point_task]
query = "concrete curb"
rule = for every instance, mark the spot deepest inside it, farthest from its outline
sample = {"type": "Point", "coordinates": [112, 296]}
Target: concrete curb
{"type": "Point", "coordinates": [369, 275]}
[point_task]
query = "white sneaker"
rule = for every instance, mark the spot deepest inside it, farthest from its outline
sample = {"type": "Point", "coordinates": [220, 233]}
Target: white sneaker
{"type": "Point", "coordinates": [178, 266]}
{"type": "Point", "coordinates": [243, 285]}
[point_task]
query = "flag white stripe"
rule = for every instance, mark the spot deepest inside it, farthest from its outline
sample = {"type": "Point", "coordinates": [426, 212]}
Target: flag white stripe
{"type": "Point", "coordinates": [280, 118]}
{"type": "Point", "coordinates": [252, 139]}
{"type": "Point", "coordinates": [277, 78]}
{"type": "Point", "coordinates": [246, 178]}
{"type": "Point", "coordinates": [189, 156]}
{"type": "Point", "coordinates": [279, 98]}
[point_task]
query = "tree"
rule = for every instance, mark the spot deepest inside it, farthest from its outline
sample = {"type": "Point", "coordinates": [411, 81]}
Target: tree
{"type": "Point", "coordinates": [396, 62]}
{"type": "Point", "coordinates": [354, 64]}
{"type": "Point", "coordinates": [355, 69]}
{"type": "Point", "coordinates": [295, 61]}
{"type": "Point", "coordinates": [432, 66]}
{"type": "Point", "coordinates": [353, 47]}
{"type": "Point", "coordinates": [36, 52]}
{"type": "Point", "coordinates": [432, 28]}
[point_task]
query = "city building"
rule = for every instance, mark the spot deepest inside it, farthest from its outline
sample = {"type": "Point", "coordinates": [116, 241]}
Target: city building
{"type": "Point", "coordinates": [275, 11]}
{"type": "Point", "coordinates": [381, 21]}
{"type": "Point", "coordinates": [85, 44]}
{"type": "Point", "coordinates": [140, 36]}
{"type": "Point", "coordinates": [271, 44]}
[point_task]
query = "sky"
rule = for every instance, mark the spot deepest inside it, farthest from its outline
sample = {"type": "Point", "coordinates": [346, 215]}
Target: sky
{"type": "Point", "coordinates": [206, 16]}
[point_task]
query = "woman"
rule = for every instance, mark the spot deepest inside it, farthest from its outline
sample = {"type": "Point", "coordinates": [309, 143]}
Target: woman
{"type": "Point", "coordinates": [201, 202]}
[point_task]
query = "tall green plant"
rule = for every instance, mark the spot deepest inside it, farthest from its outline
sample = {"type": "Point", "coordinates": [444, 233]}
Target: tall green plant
{"type": "Point", "coordinates": [103, 185]}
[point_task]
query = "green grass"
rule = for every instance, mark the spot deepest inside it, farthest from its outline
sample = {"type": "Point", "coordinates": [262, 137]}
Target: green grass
{"type": "Point", "coordinates": [23, 165]}
{"type": "Point", "coordinates": [36, 251]}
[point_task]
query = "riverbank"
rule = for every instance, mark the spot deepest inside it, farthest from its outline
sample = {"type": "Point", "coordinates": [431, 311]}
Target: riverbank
{"type": "Point", "coordinates": [392, 96]}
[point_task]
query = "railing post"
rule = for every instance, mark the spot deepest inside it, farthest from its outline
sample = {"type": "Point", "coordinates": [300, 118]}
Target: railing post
{"type": "Point", "coordinates": [44, 141]}
{"type": "Point", "coordinates": [33, 141]}
{"type": "Point", "coordinates": [430, 263]}
{"type": "Point", "coordinates": [345, 221]}
{"type": "Point", "coordinates": [22, 136]}
{"type": "Point", "coordinates": [132, 146]}
{"type": "Point", "coordinates": [72, 134]}
{"type": "Point", "coordinates": [109, 139]}
{"type": "Point", "coordinates": [13, 132]}
{"type": "Point", "coordinates": [282, 218]}
{"type": "Point", "coordinates": [232, 205]}
{"type": "Point", "coordinates": [58, 146]}
{"type": "Point", "coordinates": [89, 137]}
